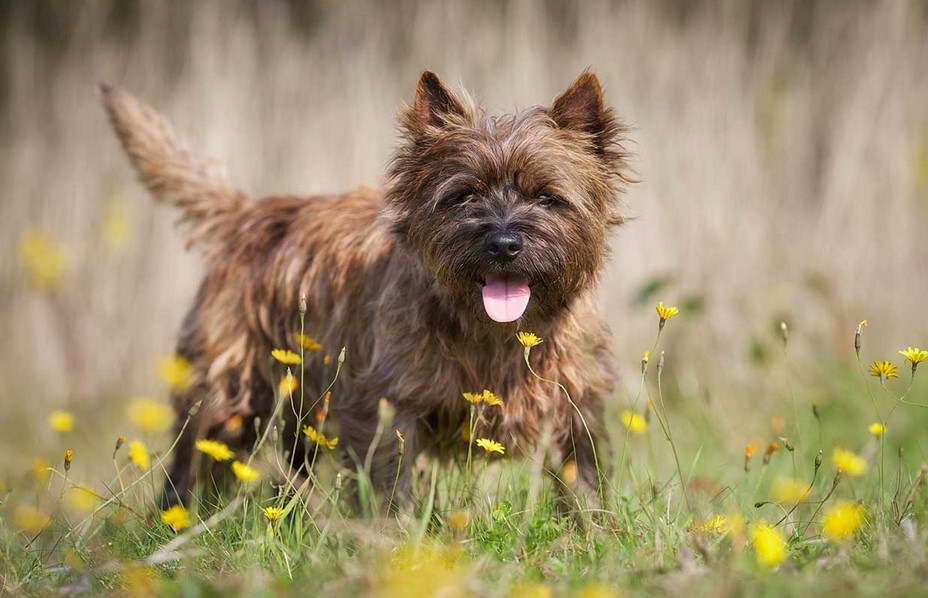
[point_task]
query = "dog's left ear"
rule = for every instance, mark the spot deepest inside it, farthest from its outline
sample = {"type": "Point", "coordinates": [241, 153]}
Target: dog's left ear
{"type": "Point", "coordinates": [581, 108]}
{"type": "Point", "coordinates": [434, 102]}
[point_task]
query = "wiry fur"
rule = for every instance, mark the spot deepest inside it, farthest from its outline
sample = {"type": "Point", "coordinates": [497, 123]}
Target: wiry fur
{"type": "Point", "coordinates": [392, 275]}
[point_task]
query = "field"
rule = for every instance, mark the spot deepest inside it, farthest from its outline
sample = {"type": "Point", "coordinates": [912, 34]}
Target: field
{"type": "Point", "coordinates": [782, 152]}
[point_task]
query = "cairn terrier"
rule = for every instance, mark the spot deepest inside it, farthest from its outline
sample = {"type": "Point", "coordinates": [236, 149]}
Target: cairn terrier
{"type": "Point", "coordinates": [487, 225]}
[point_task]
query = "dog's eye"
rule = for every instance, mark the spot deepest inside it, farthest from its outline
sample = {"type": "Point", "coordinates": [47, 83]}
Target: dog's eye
{"type": "Point", "coordinates": [547, 200]}
{"type": "Point", "coordinates": [457, 199]}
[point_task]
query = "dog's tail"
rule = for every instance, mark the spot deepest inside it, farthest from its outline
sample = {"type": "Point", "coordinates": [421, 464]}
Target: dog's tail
{"type": "Point", "coordinates": [173, 175]}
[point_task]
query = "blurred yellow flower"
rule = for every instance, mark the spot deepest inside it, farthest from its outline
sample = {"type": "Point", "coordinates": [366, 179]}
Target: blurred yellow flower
{"type": "Point", "coordinates": [273, 513]}
{"type": "Point", "coordinates": [569, 473]}
{"type": "Point", "coordinates": [883, 370]}
{"type": "Point", "coordinates": [286, 357]}
{"type": "Point", "coordinates": [140, 581]}
{"type": "Point", "coordinates": [842, 520]}
{"type": "Point", "coordinates": [244, 472]}
{"type": "Point", "coordinates": [848, 463]}
{"type": "Point", "coordinates": [61, 421]}
{"type": "Point", "coordinates": [288, 384]}
{"type": "Point", "coordinates": [215, 449]}
{"type": "Point", "coordinates": [150, 416]}
{"type": "Point", "coordinates": [789, 491]}
{"type": "Point", "coordinates": [319, 438]}
{"type": "Point", "coordinates": [459, 519]}
{"type": "Point", "coordinates": [82, 499]}
{"type": "Point", "coordinates": [176, 372]}
{"type": "Point", "coordinates": [531, 590]}
{"type": "Point", "coordinates": [177, 517]}
{"type": "Point", "coordinates": [528, 339]}
{"type": "Point", "coordinates": [43, 258]}
{"type": "Point", "coordinates": [30, 519]}
{"type": "Point", "coordinates": [115, 225]}
{"type": "Point", "coordinates": [138, 454]}
{"type": "Point", "coordinates": [233, 424]}
{"type": "Point", "coordinates": [634, 422]}
{"type": "Point", "coordinates": [327, 360]}
{"type": "Point", "coordinates": [597, 590]}
{"type": "Point", "coordinates": [308, 343]}
{"type": "Point", "coordinates": [877, 429]}
{"type": "Point", "coordinates": [40, 470]}
{"type": "Point", "coordinates": [422, 570]}
{"type": "Point", "coordinates": [491, 446]}
{"type": "Point", "coordinates": [665, 312]}
{"type": "Point", "coordinates": [769, 545]}
{"type": "Point", "coordinates": [732, 524]}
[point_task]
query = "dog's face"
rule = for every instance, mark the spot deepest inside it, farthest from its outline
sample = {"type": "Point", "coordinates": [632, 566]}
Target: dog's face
{"type": "Point", "coordinates": [510, 213]}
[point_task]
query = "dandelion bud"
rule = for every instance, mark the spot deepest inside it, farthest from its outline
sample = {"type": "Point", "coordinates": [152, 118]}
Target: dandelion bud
{"type": "Point", "coordinates": [195, 408]}
{"type": "Point", "coordinates": [644, 361]}
{"type": "Point", "coordinates": [68, 455]}
{"type": "Point", "coordinates": [660, 364]}
{"type": "Point", "coordinates": [786, 443]}
{"type": "Point", "coordinates": [401, 439]}
{"type": "Point", "coordinates": [857, 337]}
{"type": "Point", "coordinates": [758, 505]}
{"type": "Point", "coordinates": [784, 332]}
{"type": "Point", "coordinates": [341, 356]}
{"type": "Point", "coordinates": [274, 434]}
{"type": "Point", "coordinates": [120, 440]}
{"type": "Point", "coordinates": [303, 304]}
{"type": "Point", "coordinates": [772, 448]}
{"type": "Point", "coordinates": [818, 460]}
{"type": "Point", "coordinates": [748, 454]}
{"type": "Point", "coordinates": [385, 412]}
{"type": "Point", "coordinates": [815, 412]}
{"type": "Point", "coordinates": [338, 481]}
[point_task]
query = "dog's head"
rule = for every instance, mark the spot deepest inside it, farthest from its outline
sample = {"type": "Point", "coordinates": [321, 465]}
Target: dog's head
{"type": "Point", "coordinates": [510, 213]}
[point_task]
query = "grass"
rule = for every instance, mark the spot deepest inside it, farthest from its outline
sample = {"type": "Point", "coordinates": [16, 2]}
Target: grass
{"type": "Point", "coordinates": [491, 527]}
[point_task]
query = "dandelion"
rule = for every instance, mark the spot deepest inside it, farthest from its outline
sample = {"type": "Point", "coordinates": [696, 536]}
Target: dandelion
{"type": "Point", "coordinates": [877, 429]}
{"type": "Point", "coordinates": [486, 397]}
{"type": "Point", "coordinates": [43, 258]}
{"type": "Point", "coordinates": [665, 312]}
{"type": "Point", "coordinates": [472, 397]}
{"type": "Point", "coordinates": [748, 455]}
{"type": "Point", "coordinates": [244, 473]}
{"type": "Point", "coordinates": [531, 590]}
{"type": "Point", "coordinates": [327, 360]}
{"type": "Point", "coordinates": [459, 520]}
{"type": "Point", "coordinates": [915, 356]}
{"type": "Point", "coordinates": [150, 416]}
{"type": "Point", "coordinates": [848, 463]}
{"type": "Point", "coordinates": [842, 520]}
{"type": "Point", "coordinates": [771, 448]}
{"type": "Point", "coordinates": [597, 590]}
{"type": "Point", "coordinates": [30, 519]}
{"type": "Point", "coordinates": [634, 423]}
{"type": "Point", "coordinates": [789, 491]}
{"type": "Point", "coordinates": [490, 399]}
{"type": "Point", "coordinates": [768, 543]}
{"type": "Point", "coordinates": [528, 339]}
{"type": "Point", "coordinates": [883, 370]}
{"type": "Point", "coordinates": [569, 473]}
{"type": "Point", "coordinates": [138, 454]}
{"type": "Point", "coordinates": [233, 424]}
{"type": "Point", "coordinates": [491, 446]}
{"type": "Point", "coordinates": [308, 343]}
{"type": "Point", "coordinates": [177, 517]}
{"type": "Point", "coordinates": [319, 438]}
{"type": "Point", "coordinates": [288, 384]}
{"type": "Point", "coordinates": [40, 470]}
{"type": "Point", "coordinates": [215, 449]}
{"type": "Point", "coordinates": [176, 372]}
{"type": "Point", "coordinates": [286, 357]}
{"type": "Point", "coordinates": [82, 499]}
{"type": "Point", "coordinates": [68, 456]}
{"type": "Point", "coordinates": [61, 421]}
{"type": "Point", "coordinates": [273, 513]}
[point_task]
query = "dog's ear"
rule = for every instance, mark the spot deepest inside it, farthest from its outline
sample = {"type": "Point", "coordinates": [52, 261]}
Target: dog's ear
{"type": "Point", "coordinates": [581, 108]}
{"type": "Point", "coordinates": [434, 102]}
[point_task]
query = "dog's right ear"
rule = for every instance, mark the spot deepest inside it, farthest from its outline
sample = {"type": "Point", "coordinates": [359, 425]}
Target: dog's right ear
{"type": "Point", "coordinates": [435, 105]}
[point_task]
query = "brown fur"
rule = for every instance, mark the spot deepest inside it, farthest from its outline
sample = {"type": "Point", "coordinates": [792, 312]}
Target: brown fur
{"type": "Point", "coordinates": [392, 275]}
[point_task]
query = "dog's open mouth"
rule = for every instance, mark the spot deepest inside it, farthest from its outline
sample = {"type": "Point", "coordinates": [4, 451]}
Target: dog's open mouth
{"type": "Point", "coordinates": [505, 296]}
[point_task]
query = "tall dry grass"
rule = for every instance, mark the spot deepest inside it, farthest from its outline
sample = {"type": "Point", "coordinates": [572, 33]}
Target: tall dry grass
{"type": "Point", "coordinates": [782, 150]}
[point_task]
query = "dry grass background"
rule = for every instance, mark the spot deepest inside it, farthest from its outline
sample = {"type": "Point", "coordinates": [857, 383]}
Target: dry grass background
{"type": "Point", "coordinates": [782, 149]}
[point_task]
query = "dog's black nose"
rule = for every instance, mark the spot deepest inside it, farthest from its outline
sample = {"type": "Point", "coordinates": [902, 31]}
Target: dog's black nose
{"type": "Point", "coordinates": [503, 246]}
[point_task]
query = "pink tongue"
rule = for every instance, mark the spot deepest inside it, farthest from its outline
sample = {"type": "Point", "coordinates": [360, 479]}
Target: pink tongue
{"type": "Point", "coordinates": [505, 297]}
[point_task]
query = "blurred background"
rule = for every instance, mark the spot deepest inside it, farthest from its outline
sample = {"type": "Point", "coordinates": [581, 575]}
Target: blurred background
{"type": "Point", "coordinates": [781, 147]}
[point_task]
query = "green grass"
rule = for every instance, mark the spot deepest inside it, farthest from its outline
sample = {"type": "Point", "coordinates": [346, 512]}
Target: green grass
{"type": "Point", "coordinates": [492, 528]}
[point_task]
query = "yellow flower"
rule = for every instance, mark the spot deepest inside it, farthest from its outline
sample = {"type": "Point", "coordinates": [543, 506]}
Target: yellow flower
{"type": "Point", "coordinates": [68, 455]}
{"type": "Point", "coordinates": [30, 519]}
{"type": "Point", "coordinates": [175, 371]}
{"type": "Point", "coordinates": [215, 449]}
{"type": "Point", "coordinates": [473, 397]}
{"type": "Point", "coordinates": [842, 520]}
{"type": "Point", "coordinates": [646, 356]}
{"type": "Point", "coordinates": [634, 422]}
{"type": "Point", "coordinates": [732, 524]}
{"type": "Point", "coordinates": [597, 590]}
{"type": "Point", "coordinates": [288, 384]}
{"type": "Point", "coordinates": [40, 470]}
{"type": "Point", "coordinates": [273, 513]}
{"type": "Point", "coordinates": [138, 454]}
{"type": "Point", "coordinates": [43, 258]}
{"type": "Point", "coordinates": [233, 424]}
{"type": "Point", "coordinates": [82, 499]}
{"type": "Point", "coordinates": [177, 517]}
{"type": "Point", "coordinates": [877, 429]}
{"type": "Point", "coordinates": [528, 339]}
{"type": "Point", "coordinates": [768, 543]}
{"type": "Point", "coordinates": [320, 438]}
{"type": "Point", "coordinates": [459, 520]}
{"type": "Point", "coordinates": [914, 355]}
{"type": "Point", "coordinates": [491, 446]}
{"type": "Point", "coordinates": [115, 225]}
{"type": "Point", "coordinates": [327, 360]}
{"type": "Point", "coordinates": [150, 416]}
{"type": "Point", "coordinates": [789, 491]}
{"type": "Point", "coordinates": [883, 370]}
{"type": "Point", "coordinates": [569, 473]}
{"type": "Point", "coordinates": [399, 435]}
{"type": "Point", "coordinates": [490, 399]}
{"type": "Point", "coordinates": [848, 463]}
{"type": "Point", "coordinates": [61, 421]}
{"type": "Point", "coordinates": [244, 472]}
{"type": "Point", "coordinates": [286, 357]}
{"type": "Point", "coordinates": [308, 343]}
{"type": "Point", "coordinates": [531, 590]}
{"type": "Point", "coordinates": [665, 312]}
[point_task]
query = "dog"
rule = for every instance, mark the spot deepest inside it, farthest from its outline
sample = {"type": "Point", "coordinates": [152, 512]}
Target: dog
{"type": "Point", "coordinates": [486, 226]}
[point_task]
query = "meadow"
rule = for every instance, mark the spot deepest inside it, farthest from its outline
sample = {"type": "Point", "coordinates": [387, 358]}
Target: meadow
{"type": "Point", "coordinates": [771, 443]}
